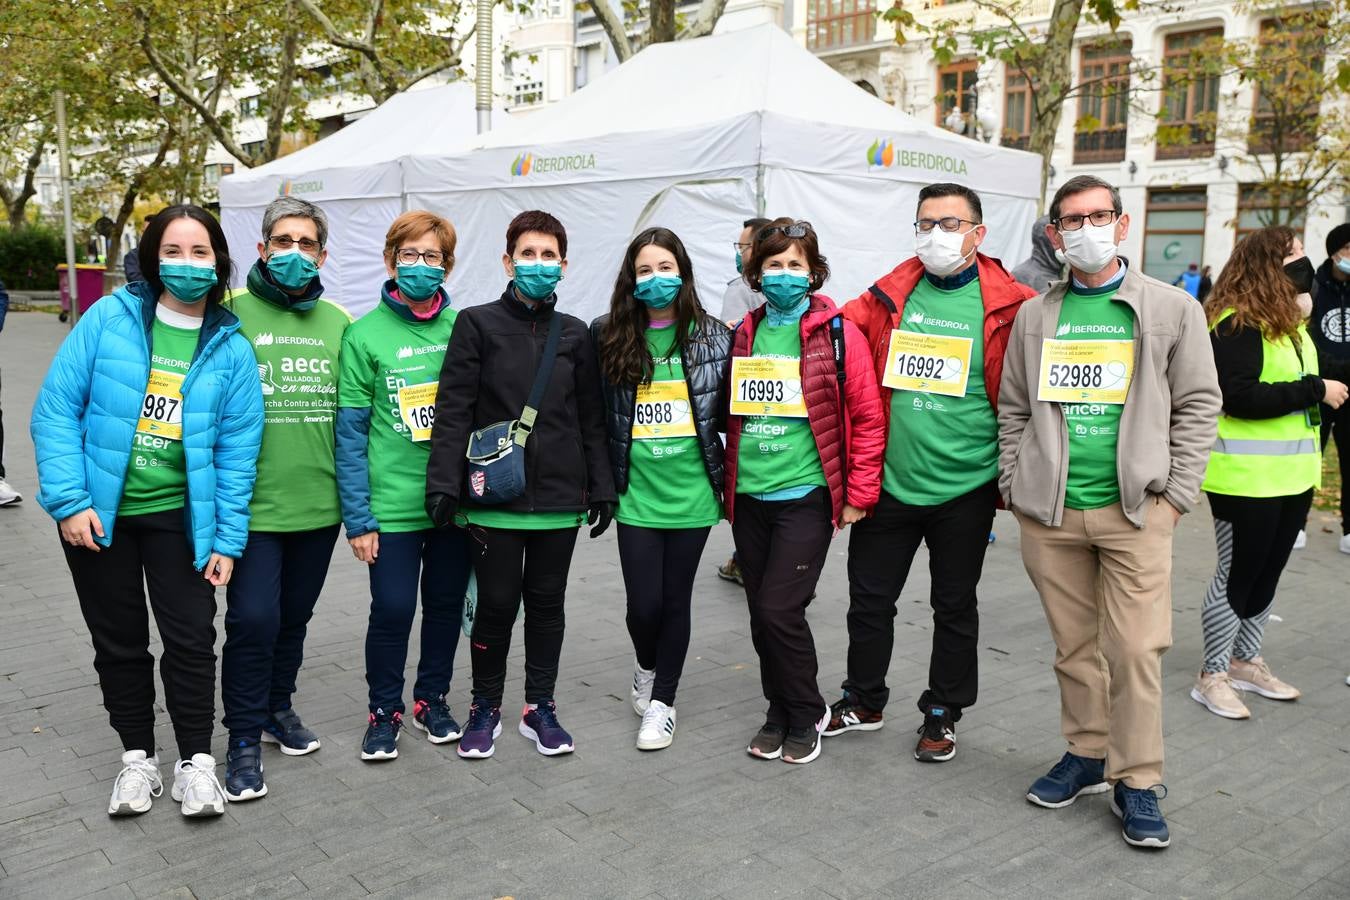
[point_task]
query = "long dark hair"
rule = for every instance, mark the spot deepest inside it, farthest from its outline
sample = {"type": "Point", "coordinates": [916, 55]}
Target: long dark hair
{"type": "Point", "coordinates": [148, 251]}
{"type": "Point", "coordinates": [1254, 286]}
{"type": "Point", "coordinates": [624, 356]}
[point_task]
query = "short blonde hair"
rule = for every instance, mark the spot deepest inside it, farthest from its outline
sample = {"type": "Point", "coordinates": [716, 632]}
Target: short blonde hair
{"type": "Point", "coordinates": [415, 223]}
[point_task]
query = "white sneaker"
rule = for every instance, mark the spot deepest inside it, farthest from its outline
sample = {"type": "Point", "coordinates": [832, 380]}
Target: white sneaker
{"type": "Point", "coordinates": [643, 679]}
{"type": "Point", "coordinates": [1345, 543]}
{"type": "Point", "coordinates": [1301, 540]}
{"type": "Point", "coordinates": [136, 785]}
{"type": "Point", "coordinates": [196, 787]}
{"type": "Point", "coordinates": [8, 495]}
{"type": "Point", "coordinates": [658, 727]}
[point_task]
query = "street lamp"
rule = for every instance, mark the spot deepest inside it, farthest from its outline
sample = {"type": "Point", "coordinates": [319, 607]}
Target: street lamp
{"type": "Point", "coordinates": [977, 124]}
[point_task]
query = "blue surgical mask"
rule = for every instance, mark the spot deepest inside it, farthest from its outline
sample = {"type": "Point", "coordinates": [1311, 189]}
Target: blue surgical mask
{"type": "Point", "coordinates": [658, 290]}
{"type": "Point", "coordinates": [783, 289]}
{"type": "Point", "coordinates": [1343, 264]}
{"type": "Point", "coordinates": [291, 269]}
{"type": "Point", "coordinates": [537, 280]}
{"type": "Point", "coordinates": [419, 281]}
{"type": "Point", "coordinates": [740, 264]}
{"type": "Point", "coordinates": [189, 281]}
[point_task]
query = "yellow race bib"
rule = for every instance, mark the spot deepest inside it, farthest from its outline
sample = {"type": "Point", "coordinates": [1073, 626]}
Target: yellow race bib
{"type": "Point", "coordinates": [417, 409]}
{"type": "Point", "coordinates": [1085, 371]}
{"type": "Point", "coordinates": [662, 411]}
{"type": "Point", "coordinates": [928, 363]}
{"type": "Point", "coordinates": [766, 386]}
{"type": "Point", "coordinates": [162, 409]}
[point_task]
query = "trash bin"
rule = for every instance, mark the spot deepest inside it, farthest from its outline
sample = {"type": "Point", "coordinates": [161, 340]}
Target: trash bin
{"type": "Point", "coordinates": [89, 281]}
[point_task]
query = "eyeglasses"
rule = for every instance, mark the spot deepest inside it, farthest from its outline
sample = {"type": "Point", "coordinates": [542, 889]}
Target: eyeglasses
{"type": "Point", "coordinates": [286, 242]}
{"type": "Point", "coordinates": [1099, 218]}
{"type": "Point", "coordinates": [795, 230]}
{"type": "Point", "coordinates": [408, 256]}
{"type": "Point", "coordinates": [946, 223]}
{"type": "Point", "coordinates": [741, 247]}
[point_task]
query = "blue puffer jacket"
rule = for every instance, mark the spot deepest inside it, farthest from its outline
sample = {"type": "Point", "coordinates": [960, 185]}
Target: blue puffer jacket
{"type": "Point", "coordinates": [86, 414]}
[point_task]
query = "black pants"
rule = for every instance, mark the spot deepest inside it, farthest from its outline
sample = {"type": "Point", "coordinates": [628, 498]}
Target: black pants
{"type": "Point", "coordinates": [268, 605]}
{"type": "Point", "coordinates": [1261, 531]}
{"type": "Point", "coordinates": [659, 566]}
{"type": "Point", "coordinates": [781, 547]}
{"type": "Point", "coordinates": [1335, 423]}
{"type": "Point", "coordinates": [881, 549]}
{"type": "Point", "coordinates": [151, 550]}
{"type": "Point", "coordinates": [514, 565]}
{"type": "Point", "coordinates": [2, 445]}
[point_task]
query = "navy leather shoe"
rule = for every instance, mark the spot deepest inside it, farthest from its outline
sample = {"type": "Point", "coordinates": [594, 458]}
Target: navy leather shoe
{"type": "Point", "coordinates": [244, 771]}
{"type": "Point", "coordinates": [1141, 822]}
{"type": "Point", "coordinates": [1071, 776]}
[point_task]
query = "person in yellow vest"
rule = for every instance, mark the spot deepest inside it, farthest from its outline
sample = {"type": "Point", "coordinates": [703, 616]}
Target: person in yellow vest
{"type": "Point", "coordinates": [1266, 460]}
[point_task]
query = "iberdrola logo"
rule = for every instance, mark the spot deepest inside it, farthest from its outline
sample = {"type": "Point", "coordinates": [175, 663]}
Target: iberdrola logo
{"type": "Point", "coordinates": [522, 164]}
{"type": "Point", "coordinates": [881, 153]}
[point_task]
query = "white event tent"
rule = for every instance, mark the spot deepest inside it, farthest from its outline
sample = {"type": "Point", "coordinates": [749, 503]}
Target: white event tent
{"type": "Point", "coordinates": [354, 174]}
{"type": "Point", "coordinates": [697, 136]}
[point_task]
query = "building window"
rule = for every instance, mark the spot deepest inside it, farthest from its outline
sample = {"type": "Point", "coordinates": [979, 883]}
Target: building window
{"type": "Point", "coordinates": [250, 107]}
{"type": "Point", "coordinates": [1174, 232]}
{"type": "Point", "coordinates": [1262, 205]}
{"type": "Point", "coordinates": [1287, 117]}
{"type": "Point", "coordinates": [528, 93]}
{"type": "Point", "coordinates": [1016, 110]}
{"type": "Point", "coordinates": [1103, 104]}
{"type": "Point", "coordinates": [253, 148]}
{"type": "Point", "coordinates": [1190, 95]}
{"type": "Point", "coordinates": [840, 23]}
{"type": "Point", "coordinates": [955, 84]}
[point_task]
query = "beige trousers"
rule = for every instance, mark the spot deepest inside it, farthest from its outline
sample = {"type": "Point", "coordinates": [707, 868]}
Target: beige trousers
{"type": "Point", "coordinates": [1107, 591]}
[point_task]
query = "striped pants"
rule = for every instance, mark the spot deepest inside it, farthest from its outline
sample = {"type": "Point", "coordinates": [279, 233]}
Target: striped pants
{"type": "Point", "coordinates": [1255, 536]}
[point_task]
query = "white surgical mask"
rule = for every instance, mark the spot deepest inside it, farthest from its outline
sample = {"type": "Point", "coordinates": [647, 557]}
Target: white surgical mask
{"type": "Point", "coordinates": [940, 251]}
{"type": "Point", "coordinates": [1091, 248]}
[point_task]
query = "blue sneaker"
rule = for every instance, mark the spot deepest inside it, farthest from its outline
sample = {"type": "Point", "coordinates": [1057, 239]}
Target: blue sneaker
{"type": "Point", "coordinates": [1071, 776]}
{"type": "Point", "coordinates": [381, 740]}
{"type": "Point", "coordinates": [244, 771]}
{"type": "Point", "coordinates": [285, 729]}
{"type": "Point", "coordinates": [434, 718]}
{"type": "Point", "coordinates": [1141, 821]}
{"type": "Point", "coordinates": [541, 726]}
{"type": "Point", "coordinates": [485, 726]}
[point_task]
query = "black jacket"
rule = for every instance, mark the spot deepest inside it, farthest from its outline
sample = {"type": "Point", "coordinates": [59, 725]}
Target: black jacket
{"type": "Point", "coordinates": [1329, 323]}
{"type": "Point", "coordinates": [705, 372]}
{"type": "Point", "coordinates": [489, 368]}
{"type": "Point", "coordinates": [1239, 356]}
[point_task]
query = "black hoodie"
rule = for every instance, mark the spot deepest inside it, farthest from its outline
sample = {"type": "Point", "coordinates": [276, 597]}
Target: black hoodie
{"type": "Point", "coordinates": [1329, 324]}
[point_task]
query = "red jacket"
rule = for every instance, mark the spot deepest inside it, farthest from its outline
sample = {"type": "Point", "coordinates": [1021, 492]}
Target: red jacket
{"type": "Point", "coordinates": [864, 428]}
{"type": "Point", "coordinates": [877, 313]}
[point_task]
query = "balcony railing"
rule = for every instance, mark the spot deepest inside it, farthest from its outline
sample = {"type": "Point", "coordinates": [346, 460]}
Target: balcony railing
{"type": "Point", "coordinates": [1016, 141]}
{"type": "Point", "coordinates": [1102, 146]}
{"type": "Point", "coordinates": [1187, 141]}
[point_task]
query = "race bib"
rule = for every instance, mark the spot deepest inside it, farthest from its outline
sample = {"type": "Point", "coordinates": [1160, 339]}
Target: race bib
{"type": "Point", "coordinates": [928, 363]}
{"type": "Point", "coordinates": [662, 411]}
{"type": "Point", "coordinates": [417, 409]}
{"type": "Point", "coordinates": [162, 409]}
{"type": "Point", "coordinates": [1085, 371]}
{"type": "Point", "coordinates": [761, 386]}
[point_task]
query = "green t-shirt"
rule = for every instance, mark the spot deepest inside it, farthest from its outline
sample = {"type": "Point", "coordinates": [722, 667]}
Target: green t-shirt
{"type": "Point", "coordinates": [391, 366]}
{"type": "Point", "coordinates": [521, 521]}
{"type": "Point", "coordinates": [777, 452]}
{"type": "Point", "coordinates": [667, 482]}
{"type": "Point", "coordinates": [156, 472]}
{"type": "Point", "coordinates": [940, 447]}
{"type": "Point", "coordinates": [297, 356]}
{"type": "Point", "coordinates": [1094, 428]}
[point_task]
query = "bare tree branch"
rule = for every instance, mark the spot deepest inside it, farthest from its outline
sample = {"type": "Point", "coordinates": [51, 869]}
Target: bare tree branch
{"type": "Point", "coordinates": [614, 27]}
{"type": "Point", "coordinates": [705, 20]}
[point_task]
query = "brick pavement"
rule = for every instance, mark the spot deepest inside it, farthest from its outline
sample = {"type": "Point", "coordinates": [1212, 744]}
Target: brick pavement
{"type": "Point", "coordinates": [1257, 808]}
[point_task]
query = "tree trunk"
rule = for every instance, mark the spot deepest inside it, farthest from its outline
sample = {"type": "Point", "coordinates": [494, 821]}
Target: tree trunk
{"type": "Point", "coordinates": [1053, 81]}
{"type": "Point", "coordinates": [662, 23]}
{"type": "Point", "coordinates": [16, 205]}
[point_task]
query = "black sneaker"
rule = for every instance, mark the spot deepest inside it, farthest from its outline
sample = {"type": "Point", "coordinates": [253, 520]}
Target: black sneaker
{"type": "Point", "coordinates": [244, 771]}
{"type": "Point", "coordinates": [768, 741]}
{"type": "Point", "coordinates": [433, 717]}
{"type": "Point", "coordinates": [381, 740]}
{"type": "Point", "coordinates": [803, 744]}
{"type": "Point", "coordinates": [285, 729]}
{"type": "Point", "coordinates": [937, 736]}
{"type": "Point", "coordinates": [846, 714]}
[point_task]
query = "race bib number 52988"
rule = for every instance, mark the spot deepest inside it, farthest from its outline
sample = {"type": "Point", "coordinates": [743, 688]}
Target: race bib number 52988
{"type": "Point", "coordinates": [1085, 371]}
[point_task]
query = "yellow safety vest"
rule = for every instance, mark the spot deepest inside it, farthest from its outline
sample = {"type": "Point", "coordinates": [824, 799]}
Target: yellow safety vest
{"type": "Point", "coordinates": [1269, 457]}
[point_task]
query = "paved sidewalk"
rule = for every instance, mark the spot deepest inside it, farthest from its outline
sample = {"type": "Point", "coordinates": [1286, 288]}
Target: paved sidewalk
{"type": "Point", "coordinates": [1258, 808]}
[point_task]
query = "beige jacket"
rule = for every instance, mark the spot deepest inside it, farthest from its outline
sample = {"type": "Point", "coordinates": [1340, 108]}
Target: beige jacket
{"type": "Point", "coordinates": [1168, 424]}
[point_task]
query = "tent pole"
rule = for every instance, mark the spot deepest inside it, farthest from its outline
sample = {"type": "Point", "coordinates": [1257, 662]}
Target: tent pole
{"type": "Point", "coordinates": [759, 189]}
{"type": "Point", "coordinates": [483, 70]}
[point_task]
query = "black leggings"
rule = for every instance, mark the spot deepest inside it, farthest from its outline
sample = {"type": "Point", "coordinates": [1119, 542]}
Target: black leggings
{"type": "Point", "coordinates": [514, 565]}
{"type": "Point", "coordinates": [659, 565]}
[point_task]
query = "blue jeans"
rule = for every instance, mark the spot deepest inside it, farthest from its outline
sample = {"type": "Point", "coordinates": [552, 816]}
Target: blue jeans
{"type": "Point", "coordinates": [269, 603]}
{"type": "Point", "coordinates": [441, 557]}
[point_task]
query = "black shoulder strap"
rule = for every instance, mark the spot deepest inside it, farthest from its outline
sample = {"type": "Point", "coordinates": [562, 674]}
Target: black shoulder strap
{"type": "Point", "coordinates": [527, 416]}
{"type": "Point", "coordinates": [837, 342]}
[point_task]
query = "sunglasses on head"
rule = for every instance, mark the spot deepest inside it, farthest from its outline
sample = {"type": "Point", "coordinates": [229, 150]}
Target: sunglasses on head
{"type": "Point", "coordinates": [795, 230]}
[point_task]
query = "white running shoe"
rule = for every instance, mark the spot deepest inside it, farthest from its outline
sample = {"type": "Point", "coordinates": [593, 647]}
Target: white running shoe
{"type": "Point", "coordinates": [1345, 543]}
{"type": "Point", "coordinates": [136, 785]}
{"type": "Point", "coordinates": [1301, 540]}
{"type": "Point", "coordinates": [643, 679]}
{"type": "Point", "coordinates": [196, 787]}
{"type": "Point", "coordinates": [8, 495]}
{"type": "Point", "coordinates": [658, 727]}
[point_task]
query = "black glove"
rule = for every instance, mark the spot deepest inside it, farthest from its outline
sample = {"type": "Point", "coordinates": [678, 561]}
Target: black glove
{"type": "Point", "coordinates": [600, 515]}
{"type": "Point", "coordinates": [441, 509]}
